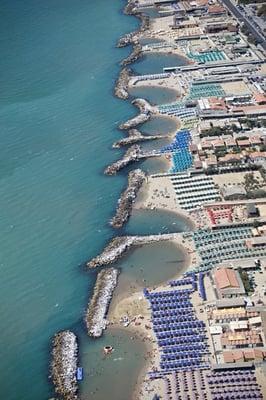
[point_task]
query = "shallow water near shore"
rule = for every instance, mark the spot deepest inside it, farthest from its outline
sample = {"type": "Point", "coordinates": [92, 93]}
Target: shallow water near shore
{"type": "Point", "coordinates": [150, 265]}
{"type": "Point", "coordinates": [154, 94]}
{"type": "Point", "coordinates": [150, 222]}
{"type": "Point", "coordinates": [159, 125]}
{"type": "Point", "coordinates": [154, 63]}
{"type": "Point", "coordinates": [112, 376]}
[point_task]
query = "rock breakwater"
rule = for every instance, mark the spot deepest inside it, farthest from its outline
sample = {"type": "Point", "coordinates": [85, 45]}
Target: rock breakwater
{"type": "Point", "coordinates": [127, 39]}
{"type": "Point", "coordinates": [98, 306]}
{"type": "Point", "coordinates": [135, 136]}
{"type": "Point", "coordinates": [64, 365]}
{"type": "Point", "coordinates": [124, 208]}
{"type": "Point", "coordinates": [133, 56]}
{"type": "Point", "coordinates": [121, 87]}
{"type": "Point", "coordinates": [121, 244]}
{"type": "Point", "coordinates": [131, 7]}
{"type": "Point", "coordinates": [145, 114]}
{"type": "Point", "coordinates": [131, 155]}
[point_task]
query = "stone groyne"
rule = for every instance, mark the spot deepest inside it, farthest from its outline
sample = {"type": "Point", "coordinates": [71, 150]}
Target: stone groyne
{"type": "Point", "coordinates": [98, 306]}
{"type": "Point", "coordinates": [145, 114]}
{"type": "Point", "coordinates": [125, 203]}
{"type": "Point", "coordinates": [121, 86]}
{"type": "Point", "coordinates": [133, 56]}
{"type": "Point", "coordinates": [135, 136]}
{"type": "Point", "coordinates": [127, 39]}
{"type": "Point", "coordinates": [121, 244]}
{"type": "Point", "coordinates": [131, 7]}
{"type": "Point", "coordinates": [131, 155]}
{"type": "Point", "coordinates": [64, 365]}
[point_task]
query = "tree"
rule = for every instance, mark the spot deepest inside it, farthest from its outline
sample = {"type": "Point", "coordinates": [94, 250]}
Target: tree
{"type": "Point", "coordinates": [262, 10]}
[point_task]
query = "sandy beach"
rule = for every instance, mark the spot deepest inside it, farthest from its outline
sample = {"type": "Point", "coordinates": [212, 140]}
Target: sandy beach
{"type": "Point", "coordinates": [172, 82]}
{"type": "Point", "coordinates": [131, 304]}
{"type": "Point", "coordinates": [157, 193]}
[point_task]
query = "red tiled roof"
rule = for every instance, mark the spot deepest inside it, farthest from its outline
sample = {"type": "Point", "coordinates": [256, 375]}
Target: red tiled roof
{"type": "Point", "coordinates": [215, 9]}
{"type": "Point", "coordinates": [226, 278]}
{"type": "Point", "coordinates": [260, 97]}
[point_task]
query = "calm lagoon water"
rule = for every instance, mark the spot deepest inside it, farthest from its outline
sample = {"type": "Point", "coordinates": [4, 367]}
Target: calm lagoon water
{"type": "Point", "coordinates": [114, 376]}
{"type": "Point", "coordinates": [157, 125]}
{"type": "Point", "coordinates": [154, 63]}
{"type": "Point", "coordinates": [154, 94]}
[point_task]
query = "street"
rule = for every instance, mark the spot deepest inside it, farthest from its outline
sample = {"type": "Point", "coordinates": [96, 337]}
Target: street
{"type": "Point", "coordinates": [238, 14]}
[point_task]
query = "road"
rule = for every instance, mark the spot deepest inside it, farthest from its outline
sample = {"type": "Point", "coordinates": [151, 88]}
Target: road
{"type": "Point", "coordinates": [241, 17]}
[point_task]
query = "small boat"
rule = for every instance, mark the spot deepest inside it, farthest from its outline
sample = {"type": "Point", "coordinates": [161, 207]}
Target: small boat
{"type": "Point", "coordinates": [79, 373]}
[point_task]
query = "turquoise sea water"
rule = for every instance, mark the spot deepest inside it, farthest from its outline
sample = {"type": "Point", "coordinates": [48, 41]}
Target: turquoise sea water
{"type": "Point", "coordinates": [58, 120]}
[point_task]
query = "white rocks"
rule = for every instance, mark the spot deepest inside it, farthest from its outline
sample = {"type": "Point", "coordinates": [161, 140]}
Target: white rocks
{"type": "Point", "coordinates": [98, 307]}
{"type": "Point", "coordinates": [119, 245]}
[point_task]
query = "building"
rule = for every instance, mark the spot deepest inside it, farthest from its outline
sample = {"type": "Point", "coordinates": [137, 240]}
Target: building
{"type": "Point", "coordinates": [231, 158]}
{"type": "Point", "coordinates": [246, 355]}
{"type": "Point", "coordinates": [216, 10]}
{"type": "Point", "coordinates": [260, 98]}
{"type": "Point", "coordinates": [256, 242]}
{"type": "Point", "coordinates": [238, 340]}
{"type": "Point", "coordinates": [219, 26]}
{"type": "Point", "coordinates": [228, 283]}
{"type": "Point", "coordinates": [252, 210]}
{"type": "Point", "coordinates": [234, 192]}
{"type": "Point", "coordinates": [258, 156]}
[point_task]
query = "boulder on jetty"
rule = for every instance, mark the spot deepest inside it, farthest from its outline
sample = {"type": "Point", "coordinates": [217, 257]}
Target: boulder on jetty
{"type": "Point", "coordinates": [121, 86]}
{"type": "Point", "coordinates": [131, 7]}
{"type": "Point", "coordinates": [133, 37]}
{"type": "Point", "coordinates": [131, 155]}
{"type": "Point", "coordinates": [64, 364]}
{"type": "Point", "coordinates": [124, 208]}
{"type": "Point", "coordinates": [98, 306]}
{"type": "Point", "coordinates": [112, 252]}
{"type": "Point", "coordinates": [128, 38]}
{"type": "Point", "coordinates": [145, 113]}
{"type": "Point", "coordinates": [135, 136]}
{"type": "Point", "coordinates": [133, 56]}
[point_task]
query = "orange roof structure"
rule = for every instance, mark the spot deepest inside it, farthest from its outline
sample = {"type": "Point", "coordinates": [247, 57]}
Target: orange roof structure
{"type": "Point", "coordinates": [257, 154]}
{"type": "Point", "coordinates": [243, 142]}
{"type": "Point", "coordinates": [255, 139]}
{"type": "Point", "coordinates": [243, 338]}
{"type": "Point", "coordinates": [202, 3]}
{"type": "Point", "coordinates": [243, 355]}
{"type": "Point", "coordinates": [216, 9]}
{"type": "Point", "coordinates": [260, 98]}
{"type": "Point", "coordinates": [226, 278]}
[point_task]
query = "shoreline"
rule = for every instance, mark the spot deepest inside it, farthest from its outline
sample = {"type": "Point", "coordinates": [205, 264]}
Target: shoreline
{"type": "Point", "coordinates": [137, 308]}
{"type": "Point", "coordinates": [129, 310]}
